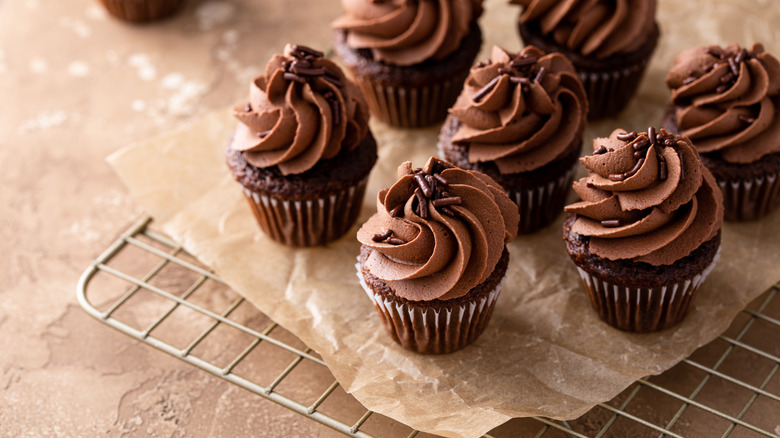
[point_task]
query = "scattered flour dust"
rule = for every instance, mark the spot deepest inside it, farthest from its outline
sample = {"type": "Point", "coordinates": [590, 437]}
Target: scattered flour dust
{"type": "Point", "coordinates": [78, 69]}
{"type": "Point", "coordinates": [45, 120]}
{"type": "Point", "coordinates": [77, 26]}
{"type": "Point", "coordinates": [214, 13]}
{"type": "Point", "coordinates": [143, 65]}
{"type": "Point", "coordinates": [96, 12]}
{"type": "Point", "coordinates": [38, 65]}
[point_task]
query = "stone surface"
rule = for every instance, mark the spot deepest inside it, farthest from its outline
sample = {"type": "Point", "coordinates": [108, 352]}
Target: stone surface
{"type": "Point", "coordinates": [78, 85]}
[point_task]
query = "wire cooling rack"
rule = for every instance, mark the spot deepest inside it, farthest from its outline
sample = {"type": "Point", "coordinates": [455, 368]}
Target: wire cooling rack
{"type": "Point", "coordinates": [147, 287]}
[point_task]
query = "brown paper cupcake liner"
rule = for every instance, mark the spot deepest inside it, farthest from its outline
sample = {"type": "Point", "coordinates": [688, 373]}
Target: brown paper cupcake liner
{"type": "Point", "coordinates": [610, 91]}
{"type": "Point", "coordinates": [411, 107]}
{"type": "Point", "coordinates": [307, 222]}
{"type": "Point", "coordinates": [750, 200]}
{"type": "Point", "coordinates": [643, 309]}
{"type": "Point", "coordinates": [140, 10]}
{"type": "Point", "coordinates": [540, 205]}
{"type": "Point", "coordinates": [427, 330]}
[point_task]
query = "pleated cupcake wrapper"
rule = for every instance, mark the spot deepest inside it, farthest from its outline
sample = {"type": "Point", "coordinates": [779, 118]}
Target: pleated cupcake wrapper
{"type": "Point", "coordinates": [540, 205]}
{"type": "Point", "coordinates": [411, 107]}
{"type": "Point", "coordinates": [749, 200]}
{"type": "Point", "coordinates": [307, 222]}
{"type": "Point", "coordinates": [643, 309]}
{"type": "Point", "coordinates": [610, 91]}
{"type": "Point", "coordinates": [427, 330]}
{"type": "Point", "coordinates": [140, 10]}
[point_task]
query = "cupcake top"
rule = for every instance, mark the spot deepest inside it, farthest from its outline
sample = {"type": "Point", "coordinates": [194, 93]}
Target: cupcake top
{"type": "Point", "coordinates": [597, 28]}
{"type": "Point", "coordinates": [302, 110]}
{"type": "Point", "coordinates": [438, 231]}
{"type": "Point", "coordinates": [647, 198]}
{"type": "Point", "coordinates": [728, 100]}
{"type": "Point", "coordinates": [521, 110]}
{"type": "Point", "coordinates": [407, 32]}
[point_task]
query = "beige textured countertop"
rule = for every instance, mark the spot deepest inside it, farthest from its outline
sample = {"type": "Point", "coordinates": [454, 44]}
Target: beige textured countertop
{"type": "Point", "coordinates": [78, 85]}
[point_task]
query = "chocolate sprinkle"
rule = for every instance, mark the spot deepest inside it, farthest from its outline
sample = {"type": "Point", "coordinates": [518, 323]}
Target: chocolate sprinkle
{"type": "Point", "coordinates": [395, 241]}
{"type": "Point", "coordinates": [628, 136]}
{"type": "Point", "coordinates": [690, 80]}
{"type": "Point", "coordinates": [397, 210]}
{"type": "Point", "coordinates": [662, 172]}
{"type": "Point", "coordinates": [523, 62]}
{"type": "Point", "coordinates": [248, 107]}
{"type": "Point", "coordinates": [293, 77]}
{"type": "Point", "coordinates": [540, 76]}
{"type": "Point", "coordinates": [636, 168]}
{"type": "Point", "coordinates": [263, 134]}
{"type": "Point", "coordinates": [444, 202]}
{"type": "Point", "coordinates": [611, 223]}
{"type": "Point", "coordinates": [734, 67]}
{"type": "Point", "coordinates": [641, 144]}
{"type": "Point", "coordinates": [617, 176]}
{"type": "Point", "coordinates": [486, 89]}
{"type": "Point", "coordinates": [422, 204]}
{"type": "Point", "coordinates": [519, 80]}
{"type": "Point", "coordinates": [600, 150]}
{"type": "Point", "coordinates": [651, 135]}
{"type": "Point", "coordinates": [440, 179]}
{"type": "Point", "coordinates": [307, 51]}
{"type": "Point", "coordinates": [424, 187]}
{"type": "Point", "coordinates": [746, 119]}
{"type": "Point", "coordinates": [382, 236]}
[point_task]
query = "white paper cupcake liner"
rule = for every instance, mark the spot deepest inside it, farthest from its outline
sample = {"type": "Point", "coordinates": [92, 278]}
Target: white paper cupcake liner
{"type": "Point", "coordinates": [307, 222]}
{"type": "Point", "coordinates": [643, 309]}
{"type": "Point", "coordinates": [540, 205]}
{"type": "Point", "coordinates": [427, 330]}
{"type": "Point", "coordinates": [749, 200]}
{"type": "Point", "coordinates": [410, 107]}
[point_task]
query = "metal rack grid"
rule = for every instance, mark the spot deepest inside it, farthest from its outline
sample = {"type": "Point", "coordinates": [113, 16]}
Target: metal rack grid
{"type": "Point", "coordinates": [146, 286]}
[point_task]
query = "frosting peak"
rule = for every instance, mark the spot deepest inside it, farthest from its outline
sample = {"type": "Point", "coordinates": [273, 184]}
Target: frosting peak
{"type": "Point", "coordinates": [728, 100]}
{"type": "Point", "coordinates": [438, 232]}
{"type": "Point", "coordinates": [521, 110]}
{"type": "Point", "coordinates": [407, 32]}
{"type": "Point", "coordinates": [599, 28]}
{"type": "Point", "coordinates": [302, 110]}
{"type": "Point", "coordinates": [647, 197]}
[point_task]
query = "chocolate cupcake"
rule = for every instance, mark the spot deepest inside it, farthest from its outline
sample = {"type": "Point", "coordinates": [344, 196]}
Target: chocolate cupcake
{"type": "Point", "coordinates": [302, 150]}
{"type": "Point", "coordinates": [647, 232]}
{"type": "Point", "coordinates": [520, 120]}
{"type": "Point", "coordinates": [610, 43]}
{"type": "Point", "coordinates": [139, 11]}
{"type": "Point", "coordinates": [410, 58]}
{"type": "Point", "coordinates": [433, 258]}
{"type": "Point", "coordinates": [727, 101]}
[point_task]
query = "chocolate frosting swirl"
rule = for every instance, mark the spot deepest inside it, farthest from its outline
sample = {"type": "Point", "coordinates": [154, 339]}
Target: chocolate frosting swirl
{"type": "Point", "coordinates": [438, 232]}
{"type": "Point", "coordinates": [728, 100]}
{"type": "Point", "coordinates": [521, 111]}
{"type": "Point", "coordinates": [407, 32]}
{"type": "Point", "coordinates": [598, 28]}
{"type": "Point", "coordinates": [302, 110]}
{"type": "Point", "coordinates": [650, 202]}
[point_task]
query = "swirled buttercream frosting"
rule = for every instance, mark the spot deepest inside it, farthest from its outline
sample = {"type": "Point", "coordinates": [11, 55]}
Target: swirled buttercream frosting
{"type": "Point", "coordinates": [438, 232]}
{"type": "Point", "coordinates": [302, 110]}
{"type": "Point", "coordinates": [521, 111]}
{"type": "Point", "coordinates": [727, 100]}
{"type": "Point", "coordinates": [647, 198]}
{"type": "Point", "coordinates": [407, 32]}
{"type": "Point", "coordinates": [597, 28]}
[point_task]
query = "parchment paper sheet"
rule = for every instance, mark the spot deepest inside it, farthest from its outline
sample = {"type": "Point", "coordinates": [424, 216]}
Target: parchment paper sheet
{"type": "Point", "coordinates": [545, 352]}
